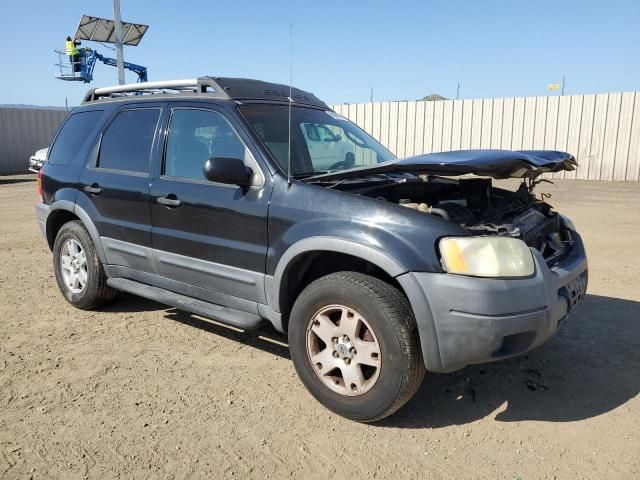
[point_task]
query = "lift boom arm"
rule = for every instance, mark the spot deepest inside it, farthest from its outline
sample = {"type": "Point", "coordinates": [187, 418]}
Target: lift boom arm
{"type": "Point", "coordinates": [137, 69]}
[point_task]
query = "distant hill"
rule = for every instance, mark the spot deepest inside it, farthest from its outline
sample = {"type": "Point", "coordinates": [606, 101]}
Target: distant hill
{"type": "Point", "coordinates": [434, 97]}
{"type": "Point", "coordinates": [22, 105]}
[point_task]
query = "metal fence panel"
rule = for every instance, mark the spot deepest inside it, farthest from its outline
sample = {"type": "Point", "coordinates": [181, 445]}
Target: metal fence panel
{"type": "Point", "coordinates": [22, 132]}
{"type": "Point", "coordinates": [602, 131]}
{"type": "Point", "coordinates": [633, 158]}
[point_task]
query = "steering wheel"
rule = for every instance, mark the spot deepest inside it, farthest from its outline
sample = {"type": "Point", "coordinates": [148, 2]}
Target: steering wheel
{"type": "Point", "coordinates": [341, 165]}
{"type": "Point", "coordinates": [346, 164]}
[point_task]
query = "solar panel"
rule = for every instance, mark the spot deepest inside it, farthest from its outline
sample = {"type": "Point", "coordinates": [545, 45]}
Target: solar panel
{"type": "Point", "coordinates": [104, 30]}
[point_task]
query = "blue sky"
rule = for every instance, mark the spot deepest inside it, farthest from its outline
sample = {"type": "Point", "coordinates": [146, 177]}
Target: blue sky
{"type": "Point", "coordinates": [403, 49]}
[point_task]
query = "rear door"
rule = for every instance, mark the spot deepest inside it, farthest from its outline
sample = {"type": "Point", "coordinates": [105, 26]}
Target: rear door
{"type": "Point", "coordinates": [114, 186]}
{"type": "Point", "coordinates": [210, 236]}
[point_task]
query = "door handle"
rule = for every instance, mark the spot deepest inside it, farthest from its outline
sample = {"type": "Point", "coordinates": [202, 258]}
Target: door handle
{"type": "Point", "coordinates": [169, 201]}
{"type": "Point", "coordinates": [93, 189]}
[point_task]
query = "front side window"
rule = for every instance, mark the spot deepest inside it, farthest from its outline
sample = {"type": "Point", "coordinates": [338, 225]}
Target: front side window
{"type": "Point", "coordinates": [194, 137]}
{"type": "Point", "coordinates": [126, 144]}
{"type": "Point", "coordinates": [71, 137]}
{"type": "Point", "coordinates": [321, 141]}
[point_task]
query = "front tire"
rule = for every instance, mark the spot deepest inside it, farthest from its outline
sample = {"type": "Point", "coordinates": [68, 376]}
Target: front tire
{"type": "Point", "coordinates": [78, 270]}
{"type": "Point", "coordinates": [354, 344]}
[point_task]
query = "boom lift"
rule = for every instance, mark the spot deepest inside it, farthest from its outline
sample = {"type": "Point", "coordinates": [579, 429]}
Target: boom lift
{"type": "Point", "coordinates": [79, 68]}
{"type": "Point", "coordinates": [82, 69]}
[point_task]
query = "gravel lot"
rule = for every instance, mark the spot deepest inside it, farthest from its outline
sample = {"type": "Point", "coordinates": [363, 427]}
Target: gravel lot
{"type": "Point", "coordinates": [143, 391]}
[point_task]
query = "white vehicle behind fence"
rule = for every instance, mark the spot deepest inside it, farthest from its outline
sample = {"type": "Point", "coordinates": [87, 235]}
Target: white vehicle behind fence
{"type": "Point", "coordinates": [328, 149]}
{"type": "Point", "coordinates": [37, 160]}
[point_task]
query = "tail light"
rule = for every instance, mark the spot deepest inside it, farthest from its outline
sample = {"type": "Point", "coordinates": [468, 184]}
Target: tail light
{"type": "Point", "coordinates": [40, 196]}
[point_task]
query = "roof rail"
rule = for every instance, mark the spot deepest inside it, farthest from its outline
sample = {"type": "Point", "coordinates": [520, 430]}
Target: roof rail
{"type": "Point", "coordinates": [239, 89]}
{"type": "Point", "coordinates": [196, 85]}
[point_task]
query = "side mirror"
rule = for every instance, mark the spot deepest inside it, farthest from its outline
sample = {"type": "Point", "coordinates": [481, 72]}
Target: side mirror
{"type": "Point", "coordinates": [227, 170]}
{"type": "Point", "coordinates": [338, 138]}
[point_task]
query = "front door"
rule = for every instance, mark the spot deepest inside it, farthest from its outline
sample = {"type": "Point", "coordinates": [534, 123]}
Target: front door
{"type": "Point", "coordinates": [210, 236]}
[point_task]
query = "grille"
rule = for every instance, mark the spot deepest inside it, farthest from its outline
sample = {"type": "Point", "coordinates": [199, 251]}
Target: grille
{"type": "Point", "coordinates": [574, 291]}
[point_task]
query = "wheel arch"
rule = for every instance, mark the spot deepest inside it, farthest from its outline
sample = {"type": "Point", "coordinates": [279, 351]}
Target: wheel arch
{"type": "Point", "coordinates": [299, 256]}
{"type": "Point", "coordinates": [63, 211]}
{"type": "Point", "coordinates": [283, 288]}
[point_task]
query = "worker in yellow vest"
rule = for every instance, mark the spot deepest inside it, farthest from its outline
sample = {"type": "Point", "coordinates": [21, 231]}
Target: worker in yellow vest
{"type": "Point", "coordinates": [71, 49]}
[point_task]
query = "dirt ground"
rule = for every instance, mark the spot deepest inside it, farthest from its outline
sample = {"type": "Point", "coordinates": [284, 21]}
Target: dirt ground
{"type": "Point", "coordinates": [138, 390]}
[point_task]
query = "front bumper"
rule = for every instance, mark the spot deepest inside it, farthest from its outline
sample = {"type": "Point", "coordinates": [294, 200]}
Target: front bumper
{"type": "Point", "coordinates": [478, 320]}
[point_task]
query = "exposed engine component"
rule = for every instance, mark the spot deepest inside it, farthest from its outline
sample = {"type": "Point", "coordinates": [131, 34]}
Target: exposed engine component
{"type": "Point", "coordinates": [459, 213]}
{"type": "Point", "coordinates": [423, 207]}
{"type": "Point", "coordinates": [538, 227]}
{"type": "Point", "coordinates": [532, 226]}
{"type": "Point", "coordinates": [476, 205]}
{"type": "Point", "coordinates": [477, 193]}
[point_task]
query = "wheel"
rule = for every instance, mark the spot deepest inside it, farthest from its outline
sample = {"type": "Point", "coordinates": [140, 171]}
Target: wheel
{"type": "Point", "coordinates": [354, 344]}
{"type": "Point", "coordinates": [79, 272]}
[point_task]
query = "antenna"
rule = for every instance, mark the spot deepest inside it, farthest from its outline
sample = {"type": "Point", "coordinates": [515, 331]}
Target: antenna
{"type": "Point", "coordinates": [290, 100]}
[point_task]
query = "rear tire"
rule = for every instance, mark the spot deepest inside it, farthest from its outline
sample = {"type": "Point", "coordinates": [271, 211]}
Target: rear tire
{"type": "Point", "coordinates": [355, 346]}
{"type": "Point", "coordinates": [78, 270]}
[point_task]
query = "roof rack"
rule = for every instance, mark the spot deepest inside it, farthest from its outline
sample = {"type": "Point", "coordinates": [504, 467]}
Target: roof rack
{"type": "Point", "coordinates": [196, 85]}
{"type": "Point", "coordinates": [216, 87]}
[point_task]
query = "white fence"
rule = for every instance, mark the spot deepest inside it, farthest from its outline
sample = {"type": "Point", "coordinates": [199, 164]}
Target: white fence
{"type": "Point", "coordinates": [602, 131]}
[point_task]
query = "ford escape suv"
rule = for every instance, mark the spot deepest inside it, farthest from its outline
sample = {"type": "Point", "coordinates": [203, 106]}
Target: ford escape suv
{"type": "Point", "coordinates": [212, 195]}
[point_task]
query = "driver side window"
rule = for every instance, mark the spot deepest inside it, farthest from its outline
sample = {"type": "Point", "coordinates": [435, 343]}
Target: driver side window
{"type": "Point", "coordinates": [195, 136]}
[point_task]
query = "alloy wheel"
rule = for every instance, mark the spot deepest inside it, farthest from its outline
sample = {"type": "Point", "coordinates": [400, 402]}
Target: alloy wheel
{"type": "Point", "coordinates": [343, 350]}
{"type": "Point", "coordinates": [73, 264]}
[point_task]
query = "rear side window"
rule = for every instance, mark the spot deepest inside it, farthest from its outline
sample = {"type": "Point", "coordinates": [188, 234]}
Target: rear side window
{"type": "Point", "coordinates": [126, 144]}
{"type": "Point", "coordinates": [72, 136]}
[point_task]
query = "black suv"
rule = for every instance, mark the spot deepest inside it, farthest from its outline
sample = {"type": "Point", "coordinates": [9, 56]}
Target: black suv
{"type": "Point", "coordinates": [247, 201]}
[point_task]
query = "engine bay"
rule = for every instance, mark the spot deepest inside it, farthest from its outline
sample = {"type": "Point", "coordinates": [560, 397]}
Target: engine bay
{"type": "Point", "coordinates": [478, 206]}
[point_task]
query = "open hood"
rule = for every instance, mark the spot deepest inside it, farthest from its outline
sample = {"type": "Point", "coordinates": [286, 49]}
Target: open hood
{"type": "Point", "coordinates": [490, 163]}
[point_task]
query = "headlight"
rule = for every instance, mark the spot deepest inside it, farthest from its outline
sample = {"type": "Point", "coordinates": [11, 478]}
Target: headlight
{"type": "Point", "coordinates": [486, 256]}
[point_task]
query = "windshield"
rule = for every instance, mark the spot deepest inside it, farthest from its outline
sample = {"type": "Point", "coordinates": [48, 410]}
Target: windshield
{"type": "Point", "coordinates": [321, 141]}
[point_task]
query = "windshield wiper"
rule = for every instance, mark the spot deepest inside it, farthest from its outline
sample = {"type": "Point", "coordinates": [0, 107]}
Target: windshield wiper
{"type": "Point", "coordinates": [305, 175]}
{"type": "Point", "coordinates": [318, 175]}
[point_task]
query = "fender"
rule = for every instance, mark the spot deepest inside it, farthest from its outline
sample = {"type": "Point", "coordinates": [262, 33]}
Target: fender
{"type": "Point", "coordinates": [330, 244]}
{"type": "Point", "coordinates": [84, 218]}
{"type": "Point", "coordinates": [415, 295]}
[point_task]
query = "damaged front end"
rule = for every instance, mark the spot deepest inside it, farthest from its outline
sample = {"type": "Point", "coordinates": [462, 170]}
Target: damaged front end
{"type": "Point", "coordinates": [475, 204]}
{"type": "Point", "coordinates": [512, 268]}
{"type": "Point", "coordinates": [518, 214]}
